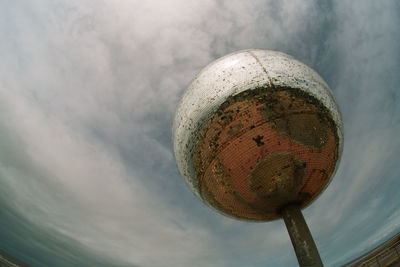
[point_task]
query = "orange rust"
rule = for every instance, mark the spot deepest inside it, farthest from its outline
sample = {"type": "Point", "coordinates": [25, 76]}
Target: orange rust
{"type": "Point", "coordinates": [284, 133]}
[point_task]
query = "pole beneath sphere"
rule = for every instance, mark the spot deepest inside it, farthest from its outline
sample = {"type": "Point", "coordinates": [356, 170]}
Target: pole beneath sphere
{"type": "Point", "coordinates": [302, 240]}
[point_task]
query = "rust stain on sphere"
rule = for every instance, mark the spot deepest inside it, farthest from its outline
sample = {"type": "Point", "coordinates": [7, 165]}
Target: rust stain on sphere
{"type": "Point", "coordinates": [257, 130]}
{"type": "Point", "coordinates": [263, 149]}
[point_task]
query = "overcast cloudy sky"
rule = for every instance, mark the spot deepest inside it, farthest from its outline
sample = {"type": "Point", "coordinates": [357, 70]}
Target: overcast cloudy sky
{"type": "Point", "coordinates": [88, 90]}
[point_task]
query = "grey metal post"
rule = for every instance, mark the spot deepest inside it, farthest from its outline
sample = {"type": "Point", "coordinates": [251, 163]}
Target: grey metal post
{"type": "Point", "coordinates": [303, 243]}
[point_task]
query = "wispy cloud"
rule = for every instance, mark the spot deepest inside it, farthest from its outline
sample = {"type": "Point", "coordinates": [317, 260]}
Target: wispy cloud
{"type": "Point", "coordinates": [88, 91]}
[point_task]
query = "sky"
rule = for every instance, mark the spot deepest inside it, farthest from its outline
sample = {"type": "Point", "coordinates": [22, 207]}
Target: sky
{"type": "Point", "coordinates": [88, 91]}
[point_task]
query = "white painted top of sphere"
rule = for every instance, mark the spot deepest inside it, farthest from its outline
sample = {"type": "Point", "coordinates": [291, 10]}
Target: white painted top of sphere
{"type": "Point", "coordinates": [233, 74]}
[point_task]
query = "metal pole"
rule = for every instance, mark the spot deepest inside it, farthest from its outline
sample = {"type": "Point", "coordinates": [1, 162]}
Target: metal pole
{"type": "Point", "coordinates": [303, 243]}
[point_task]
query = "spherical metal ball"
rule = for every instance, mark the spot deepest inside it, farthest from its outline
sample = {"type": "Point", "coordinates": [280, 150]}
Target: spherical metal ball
{"type": "Point", "coordinates": [257, 130]}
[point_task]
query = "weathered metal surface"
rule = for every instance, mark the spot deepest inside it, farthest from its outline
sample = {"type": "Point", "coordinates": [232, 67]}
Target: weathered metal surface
{"type": "Point", "coordinates": [265, 148]}
{"type": "Point", "coordinates": [255, 130]}
{"type": "Point", "coordinates": [303, 243]}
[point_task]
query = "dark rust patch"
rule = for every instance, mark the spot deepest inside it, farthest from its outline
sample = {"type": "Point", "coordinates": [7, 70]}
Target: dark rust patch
{"type": "Point", "coordinates": [277, 177]}
{"type": "Point", "coordinates": [306, 129]}
{"type": "Point", "coordinates": [258, 140]}
{"type": "Point", "coordinates": [235, 129]}
{"type": "Point", "coordinates": [298, 116]}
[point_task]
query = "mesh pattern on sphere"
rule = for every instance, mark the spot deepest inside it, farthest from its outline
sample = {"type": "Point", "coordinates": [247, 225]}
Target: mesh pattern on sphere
{"type": "Point", "coordinates": [265, 148]}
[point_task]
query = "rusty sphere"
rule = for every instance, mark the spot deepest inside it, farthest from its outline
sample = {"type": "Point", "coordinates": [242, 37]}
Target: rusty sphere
{"type": "Point", "coordinates": [256, 130]}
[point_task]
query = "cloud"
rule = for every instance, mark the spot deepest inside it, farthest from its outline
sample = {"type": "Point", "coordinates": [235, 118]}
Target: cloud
{"type": "Point", "coordinates": [360, 197]}
{"type": "Point", "coordinates": [88, 91]}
